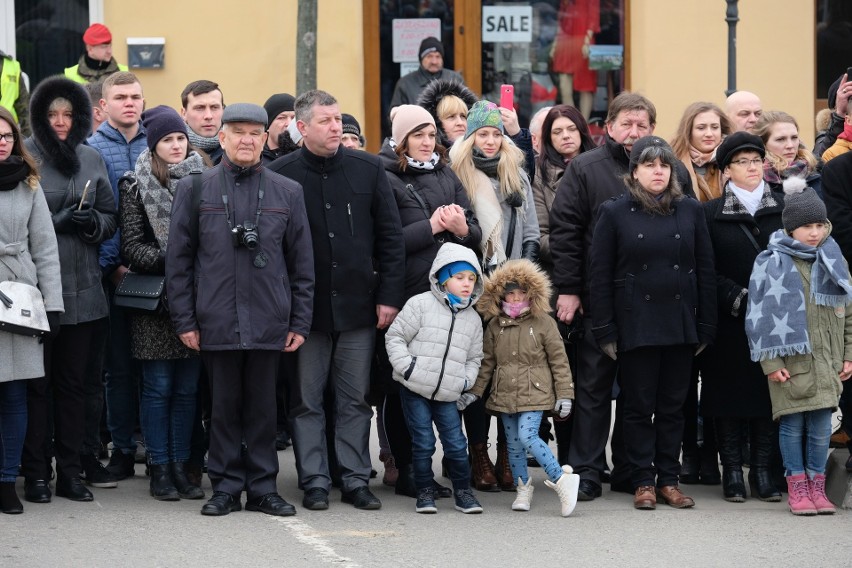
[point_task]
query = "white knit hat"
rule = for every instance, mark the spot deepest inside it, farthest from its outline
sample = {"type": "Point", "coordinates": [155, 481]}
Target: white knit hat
{"type": "Point", "coordinates": [406, 118]}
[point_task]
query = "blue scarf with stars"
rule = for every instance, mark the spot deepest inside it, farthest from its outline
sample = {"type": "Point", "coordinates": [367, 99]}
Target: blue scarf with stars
{"type": "Point", "coordinates": [776, 317]}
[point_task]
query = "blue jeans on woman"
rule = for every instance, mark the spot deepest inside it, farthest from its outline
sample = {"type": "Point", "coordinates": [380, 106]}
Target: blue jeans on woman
{"type": "Point", "coordinates": [169, 389]}
{"type": "Point", "coordinates": [13, 427]}
{"type": "Point", "coordinates": [522, 437]}
{"type": "Point", "coordinates": [419, 413]}
{"type": "Point", "coordinates": [815, 427]}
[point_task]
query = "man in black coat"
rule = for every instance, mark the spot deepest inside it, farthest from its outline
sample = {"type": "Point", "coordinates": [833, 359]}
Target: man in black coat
{"type": "Point", "coordinates": [592, 178]}
{"type": "Point", "coordinates": [359, 261]}
{"type": "Point", "coordinates": [240, 284]}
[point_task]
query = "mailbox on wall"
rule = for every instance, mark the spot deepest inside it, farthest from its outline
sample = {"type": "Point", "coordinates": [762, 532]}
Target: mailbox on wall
{"type": "Point", "coordinates": [146, 52]}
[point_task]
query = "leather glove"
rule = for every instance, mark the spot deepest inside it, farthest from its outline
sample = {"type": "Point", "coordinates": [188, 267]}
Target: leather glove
{"type": "Point", "coordinates": [53, 322]}
{"type": "Point", "coordinates": [529, 250]}
{"type": "Point", "coordinates": [84, 218]}
{"type": "Point", "coordinates": [701, 347]}
{"type": "Point", "coordinates": [563, 407]}
{"type": "Point", "coordinates": [465, 400]}
{"type": "Point", "coordinates": [62, 220]}
{"type": "Point", "coordinates": [610, 350]}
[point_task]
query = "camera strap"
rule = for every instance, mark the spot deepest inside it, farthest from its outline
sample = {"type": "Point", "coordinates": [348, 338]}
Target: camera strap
{"type": "Point", "coordinates": [225, 199]}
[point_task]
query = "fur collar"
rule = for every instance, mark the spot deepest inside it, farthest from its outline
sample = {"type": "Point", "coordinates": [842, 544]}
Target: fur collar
{"type": "Point", "coordinates": [436, 90]}
{"type": "Point", "coordinates": [60, 154]}
{"type": "Point", "coordinates": [529, 276]}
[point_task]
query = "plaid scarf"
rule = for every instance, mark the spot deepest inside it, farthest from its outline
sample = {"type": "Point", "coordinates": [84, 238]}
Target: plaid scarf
{"type": "Point", "coordinates": [776, 318]}
{"type": "Point", "coordinates": [797, 168]}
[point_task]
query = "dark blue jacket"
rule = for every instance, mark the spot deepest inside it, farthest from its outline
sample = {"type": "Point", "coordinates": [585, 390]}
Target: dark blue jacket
{"type": "Point", "coordinates": [215, 287]}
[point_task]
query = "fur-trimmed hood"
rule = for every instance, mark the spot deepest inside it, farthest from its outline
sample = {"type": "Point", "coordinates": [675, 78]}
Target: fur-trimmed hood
{"type": "Point", "coordinates": [436, 90]}
{"type": "Point", "coordinates": [528, 276]}
{"type": "Point", "coordinates": [61, 154]}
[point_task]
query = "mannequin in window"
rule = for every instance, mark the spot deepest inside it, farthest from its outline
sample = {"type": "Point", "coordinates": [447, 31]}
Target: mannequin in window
{"type": "Point", "coordinates": [579, 20]}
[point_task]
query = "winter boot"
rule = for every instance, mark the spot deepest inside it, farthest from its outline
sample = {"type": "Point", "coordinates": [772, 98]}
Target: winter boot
{"type": "Point", "coordinates": [391, 472]}
{"type": "Point", "coordinates": [524, 497]}
{"type": "Point", "coordinates": [405, 482]}
{"type": "Point", "coordinates": [11, 505]}
{"type": "Point", "coordinates": [162, 488]}
{"type": "Point", "coordinates": [728, 434]}
{"type": "Point", "coordinates": [566, 487]}
{"type": "Point", "coordinates": [759, 476]}
{"type": "Point", "coordinates": [689, 464]}
{"type": "Point", "coordinates": [503, 469]}
{"type": "Point", "coordinates": [185, 488]}
{"type": "Point", "coordinates": [816, 491]}
{"type": "Point", "coordinates": [798, 495]}
{"type": "Point", "coordinates": [481, 469]}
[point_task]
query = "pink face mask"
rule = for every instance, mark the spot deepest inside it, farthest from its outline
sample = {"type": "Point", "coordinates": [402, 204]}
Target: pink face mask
{"type": "Point", "coordinates": [514, 309]}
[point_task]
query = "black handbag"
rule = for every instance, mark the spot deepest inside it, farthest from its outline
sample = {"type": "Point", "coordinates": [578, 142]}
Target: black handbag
{"type": "Point", "coordinates": [142, 292]}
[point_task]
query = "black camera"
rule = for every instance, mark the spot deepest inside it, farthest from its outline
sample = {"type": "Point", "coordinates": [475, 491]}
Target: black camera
{"type": "Point", "coordinates": [245, 235]}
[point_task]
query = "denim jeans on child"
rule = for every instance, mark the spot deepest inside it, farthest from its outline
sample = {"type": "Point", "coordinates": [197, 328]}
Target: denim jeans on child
{"type": "Point", "coordinates": [815, 427]}
{"type": "Point", "coordinates": [13, 427]}
{"type": "Point", "coordinates": [169, 390]}
{"type": "Point", "coordinates": [522, 436]}
{"type": "Point", "coordinates": [420, 413]}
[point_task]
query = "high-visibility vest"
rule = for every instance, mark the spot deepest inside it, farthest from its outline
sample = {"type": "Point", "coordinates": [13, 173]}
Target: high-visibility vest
{"type": "Point", "coordinates": [10, 80]}
{"type": "Point", "coordinates": [71, 73]}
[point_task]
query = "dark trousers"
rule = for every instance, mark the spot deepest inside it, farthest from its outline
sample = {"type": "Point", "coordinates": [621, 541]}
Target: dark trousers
{"type": "Point", "coordinates": [93, 390]}
{"type": "Point", "coordinates": [242, 390]}
{"type": "Point", "coordinates": [60, 391]}
{"type": "Point", "coordinates": [593, 386]}
{"type": "Point", "coordinates": [396, 429]}
{"type": "Point", "coordinates": [654, 387]}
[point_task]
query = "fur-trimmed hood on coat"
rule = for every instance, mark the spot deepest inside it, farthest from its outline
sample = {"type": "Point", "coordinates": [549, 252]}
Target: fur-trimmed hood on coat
{"type": "Point", "coordinates": [528, 276]}
{"type": "Point", "coordinates": [61, 154]}
{"type": "Point", "coordinates": [436, 90]}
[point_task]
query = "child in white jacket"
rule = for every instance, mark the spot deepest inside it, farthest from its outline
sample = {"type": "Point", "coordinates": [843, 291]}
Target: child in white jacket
{"type": "Point", "coordinates": [435, 348]}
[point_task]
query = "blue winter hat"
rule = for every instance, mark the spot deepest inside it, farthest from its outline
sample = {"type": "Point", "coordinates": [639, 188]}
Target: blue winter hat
{"type": "Point", "coordinates": [447, 271]}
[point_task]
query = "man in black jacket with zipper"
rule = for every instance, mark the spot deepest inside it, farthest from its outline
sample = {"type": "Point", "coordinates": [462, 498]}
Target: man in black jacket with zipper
{"type": "Point", "coordinates": [359, 261]}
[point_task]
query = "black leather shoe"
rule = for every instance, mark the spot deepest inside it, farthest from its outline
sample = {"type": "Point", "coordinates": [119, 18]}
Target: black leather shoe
{"type": "Point", "coordinates": [441, 492]}
{"type": "Point", "coordinates": [282, 440]}
{"type": "Point", "coordinates": [315, 499]}
{"type": "Point", "coordinates": [362, 498]}
{"type": "Point", "coordinates": [221, 504]}
{"type": "Point", "coordinates": [588, 490]}
{"type": "Point", "coordinates": [37, 491]}
{"type": "Point", "coordinates": [733, 486]}
{"type": "Point", "coordinates": [689, 467]}
{"type": "Point", "coordinates": [271, 504]}
{"type": "Point", "coordinates": [72, 488]}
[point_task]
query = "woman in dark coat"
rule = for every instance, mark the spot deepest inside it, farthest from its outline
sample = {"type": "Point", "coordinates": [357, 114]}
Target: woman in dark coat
{"type": "Point", "coordinates": [734, 393]}
{"type": "Point", "coordinates": [434, 209]}
{"type": "Point", "coordinates": [83, 217]}
{"type": "Point", "coordinates": [653, 306]}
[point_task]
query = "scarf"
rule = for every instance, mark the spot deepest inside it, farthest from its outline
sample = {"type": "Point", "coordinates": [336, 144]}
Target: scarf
{"type": "Point", "coordinates": [202, 142]}
{"type": "Point", "coordinates": [797, 168]}
{"type": "Point", "coordinates": [490, 216]}
{"type": "Point", "coordinates": [157, 199]}
{"type": "Point", "coordinates": [733, 205]}
{"type": "Point", "coordinates": [514, 309]}
{"type": "Point", "coordinates": [847, 132]}
{"type": "Point", "coordinates": [417, 164]}
{"type": "Point", "coordinates": [749, 199]}
{"type": "Point", "coordinates": [13, 170]}
{"type": "Point", "coordinates": [700, 158]}
{"type": "Point", "coordinates": [488, 166]}
{"type": "Point", "coordinates": [776, 317]}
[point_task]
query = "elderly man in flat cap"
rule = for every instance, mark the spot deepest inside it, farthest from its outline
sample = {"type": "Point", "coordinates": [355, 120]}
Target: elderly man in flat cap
{"type": "Point", "coordinates": [240, 283]}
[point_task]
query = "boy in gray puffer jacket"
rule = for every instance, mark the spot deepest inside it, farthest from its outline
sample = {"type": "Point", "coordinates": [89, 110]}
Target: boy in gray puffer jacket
{"type": "Point", "coordinates": [435, 348]}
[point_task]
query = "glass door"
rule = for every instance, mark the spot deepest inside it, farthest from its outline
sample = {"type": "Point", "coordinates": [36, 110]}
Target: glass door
{"type": "Point", "coordinates": [49, 35]}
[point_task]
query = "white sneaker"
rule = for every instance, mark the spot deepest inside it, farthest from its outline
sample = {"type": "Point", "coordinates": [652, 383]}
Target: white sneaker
{"type": "Point", "coordinates": [524, 495]}
{"type": "Point", "coordinates": [566, 487]}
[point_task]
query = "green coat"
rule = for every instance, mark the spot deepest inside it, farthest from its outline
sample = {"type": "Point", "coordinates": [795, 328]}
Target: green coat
{"type": "Point", "coordinates": [814, 381]}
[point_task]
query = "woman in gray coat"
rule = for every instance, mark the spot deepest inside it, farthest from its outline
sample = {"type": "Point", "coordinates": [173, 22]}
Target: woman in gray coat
{"type": "Point", "coordinates": [28, 254]}
{"type": "Point", "coordinates": [81, 203]}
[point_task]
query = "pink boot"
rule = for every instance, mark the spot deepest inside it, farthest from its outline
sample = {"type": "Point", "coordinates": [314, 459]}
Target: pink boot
{"type": "Point", "coordinates": [798, 496]}
{"type": "Point", "coordinates": [816, 489]}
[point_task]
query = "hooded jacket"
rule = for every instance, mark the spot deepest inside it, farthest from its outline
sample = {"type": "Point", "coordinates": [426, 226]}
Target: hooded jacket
{"type": "Point", "coordinates": [432, 94]}
{"type": "Point", "coordinates": [524, 358]}
{"type": "Point", "coordinates": [65, 167]}
{"type": "Point", "coordinates": [434, 349]}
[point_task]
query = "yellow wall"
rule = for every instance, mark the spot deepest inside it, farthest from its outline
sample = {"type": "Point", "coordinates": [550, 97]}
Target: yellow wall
{"type": "Point", "coordinates": [250, 52]}
{"type": "Point", "coordinates": [679, 54]}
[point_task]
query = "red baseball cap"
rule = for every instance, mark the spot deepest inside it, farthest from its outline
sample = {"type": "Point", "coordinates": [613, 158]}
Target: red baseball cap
{"type": "Point", "coordinates": [97, 34]}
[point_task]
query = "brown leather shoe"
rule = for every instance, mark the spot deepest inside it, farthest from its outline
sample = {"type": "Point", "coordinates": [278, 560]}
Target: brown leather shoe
{"type": "Point", "coordinates": [672, 495]}
{"type": "Point", "coordinates": [645, 498]}
{"type": "Point", "coordinates": [481, 469]}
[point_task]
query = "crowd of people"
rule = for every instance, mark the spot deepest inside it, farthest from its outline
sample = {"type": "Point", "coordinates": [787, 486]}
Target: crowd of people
{"type": "Point", "coordinates": [473, 269]}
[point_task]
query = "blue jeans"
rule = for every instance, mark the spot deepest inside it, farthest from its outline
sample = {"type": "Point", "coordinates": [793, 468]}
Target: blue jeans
{"type": "Point", "coordinates": [815, 427]}
{"type": "Point", "coordinates": [121, 388]}
{"type": "Point", "coordinates": [419, 413]}
{"type": "Point", "coordinates": [13, 427]}
{"type": "Point", "coordinates": [169, 389]}
{"type": "Point", "coordinates": [521, 437]}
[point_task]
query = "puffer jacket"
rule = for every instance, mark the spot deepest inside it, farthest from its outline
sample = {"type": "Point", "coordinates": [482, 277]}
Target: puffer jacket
{"type": "Point", "coordinates": [435, 350]}
{"type": "Point", "coordinates": [524, 358]}
{"type": "Point", "coordinates": [814, 382]}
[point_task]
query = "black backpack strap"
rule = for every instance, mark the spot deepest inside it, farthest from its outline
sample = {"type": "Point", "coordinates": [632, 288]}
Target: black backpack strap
{"type": "Point", "coordinates": [196, 206]}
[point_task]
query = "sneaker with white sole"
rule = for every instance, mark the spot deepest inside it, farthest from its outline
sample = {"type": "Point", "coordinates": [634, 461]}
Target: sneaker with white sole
{"type": "Point", "coordinates": [524, 497]}
{"type": "Point", "coordinates": [466, 502]}
{"type": "Point", "coordinates": [566, 487]}
{"type": "Point", "coordinates": [426, 501]}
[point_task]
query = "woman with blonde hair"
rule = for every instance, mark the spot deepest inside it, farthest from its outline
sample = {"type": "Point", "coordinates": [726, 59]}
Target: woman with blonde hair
{"type": "Point", "coordinates": [786, 156]}
{"type": "Point", "coordinates": [701, 130]}
{"type": "Point", "coordinates": [448, 101]}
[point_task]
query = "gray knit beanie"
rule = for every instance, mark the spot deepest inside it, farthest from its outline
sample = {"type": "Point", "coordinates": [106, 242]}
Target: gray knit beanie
{"type": "Point", "coordinates": [802, 205]}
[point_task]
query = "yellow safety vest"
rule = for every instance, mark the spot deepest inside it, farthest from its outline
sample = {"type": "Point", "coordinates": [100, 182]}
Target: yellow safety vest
{"type": "Point", "coordinates": [10, 80]}
{"type": "Point", "coordinates": [71, 73]}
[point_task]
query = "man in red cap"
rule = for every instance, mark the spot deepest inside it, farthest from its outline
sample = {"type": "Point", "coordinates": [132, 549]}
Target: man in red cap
{"type": "Point", "coordinates": [98, 61]}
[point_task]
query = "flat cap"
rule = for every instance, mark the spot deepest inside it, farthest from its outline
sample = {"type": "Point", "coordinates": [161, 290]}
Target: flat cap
{"type": "Point", "coordinates": [245, 112]}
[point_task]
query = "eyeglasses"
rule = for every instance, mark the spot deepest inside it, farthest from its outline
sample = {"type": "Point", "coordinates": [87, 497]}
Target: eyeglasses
{"type": "Point", "coordinates": [746, 163]}
{"type": "Point", "coordinates": [9, 137]}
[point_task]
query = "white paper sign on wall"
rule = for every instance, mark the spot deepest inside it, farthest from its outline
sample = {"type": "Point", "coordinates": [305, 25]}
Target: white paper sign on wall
{"type": "Point", "coordinates": [408, 33]}
{"type": "Point", "coordinates": [507, 23]}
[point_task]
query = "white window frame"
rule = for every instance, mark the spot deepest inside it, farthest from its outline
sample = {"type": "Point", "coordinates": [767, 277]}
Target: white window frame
{"type": "Point", "coordinates": [7, 15]}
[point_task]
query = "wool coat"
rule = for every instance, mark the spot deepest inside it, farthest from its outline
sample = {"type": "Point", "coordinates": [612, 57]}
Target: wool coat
{"type": "Point", "coordinates": [28, 254]}
{"type": "Point", "coordinates": [435, 350]}
{"type": "Point", "coordinates": [814, 381]}
{"type": "Point", "coordinates": [543, 195]}
{"type": "Point", "coordinates": [652, 277]}
{"type": "Point", "coordinates": [409, 87]}
{"type": "Point", "coordinates": [732, 385]}
{"type": "Point", "coordinates": [524, 359]}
